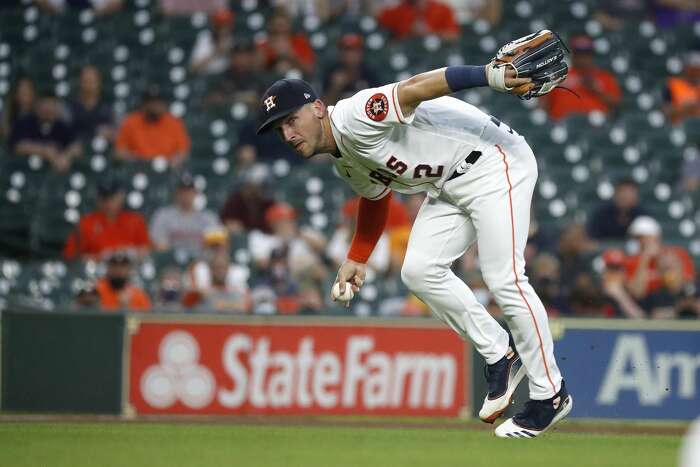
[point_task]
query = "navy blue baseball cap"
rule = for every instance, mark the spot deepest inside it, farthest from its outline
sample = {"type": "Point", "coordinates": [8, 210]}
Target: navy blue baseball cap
{"type": "Point", "coordinates": [283, 98]}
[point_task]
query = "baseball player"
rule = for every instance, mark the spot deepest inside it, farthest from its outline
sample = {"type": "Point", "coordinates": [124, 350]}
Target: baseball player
{"type": "Point", "coordinates": [479, 176]}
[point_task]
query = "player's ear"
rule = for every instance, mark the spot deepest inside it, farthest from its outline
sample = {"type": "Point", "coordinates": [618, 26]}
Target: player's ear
{"type": "Point", "coordinates": [318, 108]}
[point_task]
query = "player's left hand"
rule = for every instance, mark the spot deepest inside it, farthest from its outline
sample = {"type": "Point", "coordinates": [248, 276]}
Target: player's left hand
{"type": "Point", "coordinates": [512, 80]}
{"type": "Point", "coordinates": [352, 272]}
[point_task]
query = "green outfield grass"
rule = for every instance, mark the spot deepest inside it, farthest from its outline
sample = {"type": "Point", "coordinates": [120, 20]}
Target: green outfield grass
{"type": "Point", "coordinates": [202, 445]}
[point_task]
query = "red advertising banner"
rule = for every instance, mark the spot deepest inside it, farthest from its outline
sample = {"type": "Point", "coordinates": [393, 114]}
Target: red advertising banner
{"type": "Point", "coordinates": [233, 369]}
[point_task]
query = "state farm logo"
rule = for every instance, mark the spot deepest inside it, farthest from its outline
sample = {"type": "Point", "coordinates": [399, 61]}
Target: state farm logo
{"type": "Point", "coordinates": [358, 376]}
{"type": "Point", "coordinates": [179, 375]}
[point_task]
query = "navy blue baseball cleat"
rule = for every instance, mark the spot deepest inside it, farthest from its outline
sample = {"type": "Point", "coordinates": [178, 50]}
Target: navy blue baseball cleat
{"type": "Point", "coordinates": [537, 416]}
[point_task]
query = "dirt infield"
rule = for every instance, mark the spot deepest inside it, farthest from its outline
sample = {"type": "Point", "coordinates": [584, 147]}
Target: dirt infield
{"type": "Point", "coordinates": [597, 427]}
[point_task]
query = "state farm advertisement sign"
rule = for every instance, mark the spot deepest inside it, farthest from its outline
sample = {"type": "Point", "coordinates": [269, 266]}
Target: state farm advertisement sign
{"type": "Point", "coordinates": [227, 369]}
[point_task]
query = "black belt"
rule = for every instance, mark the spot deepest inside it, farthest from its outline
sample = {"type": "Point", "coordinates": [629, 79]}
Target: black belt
{"type": "Point", "coordinates": [470, 160]}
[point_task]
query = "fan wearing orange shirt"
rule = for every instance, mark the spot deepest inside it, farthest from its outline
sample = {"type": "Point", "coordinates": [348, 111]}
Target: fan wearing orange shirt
{"type": "Point", "coordinates": [283, 49]}
{"type": "Point", "coordinates": [115, 290]}
{"type": "Point", "coordinates": [109, 228]}
{"type": "Point", "coordinates": [419, 18]}
{"type": "Point", "coordinates": [656, 265]}
{"type": "Point", "coordinates": [152, 131]}
{"type": "Point", "coordinates": [593, 88]}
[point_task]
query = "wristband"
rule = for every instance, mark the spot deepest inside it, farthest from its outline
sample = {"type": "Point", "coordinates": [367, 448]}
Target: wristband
{"type": "Point", "coordinates": [465, 77]}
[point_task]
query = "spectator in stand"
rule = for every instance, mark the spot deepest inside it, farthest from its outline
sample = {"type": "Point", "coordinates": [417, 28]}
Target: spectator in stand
{"type": "Point", "coordinates": [618, 301]}
{"type": "Point", "coordinates": [89, 114]}
{"type": "Point", "coordinates": [213, 282]}
{"type": "Point", "coordinates": [116, 291]}
{"type": "Point", "coordinates": [240, 81]}
{"type": "Point", "coordinates": [210, 54]}
{"type": "Point", "coordinates": [275, 290]}
{"type": "Point", "coordinates": [44, 134]}
{"type": "Point", "coordinates": [283, 49]}
{"type": "Point", "coordinates": [349, 74]}
{"type": "Point", "coordinates": [593, 88]}
{"type": "Point", "coordinates": [98, 7]}
{"type": "Point", "coordinates": [181, 226]}
{"type": "Point", "coordinates": [222, 296]}
{"type": "Point", "coordinates": [170, 289]}
{"type": "Point", "coordinates": [288, 260]}
{"type": "Point", "coordinates": [611, 220]}
{"type": "Point", "coordinates": [109, 228]}
{"type": "Point", "coordinates": [303, 246]}
{"type": "Point", "coordinates": [18, 104]}
{"type": "Point", "coordinates": [657, 274]}
{"type": "Point", "coordinates": [682, 96]}
{"type": "Point", "coordinates": [469, 11]}
{"type": "Point", "coordinates": [418, 18]}
{"type": "Point", "coordinates": [152, 131]}
{"type": "Point", "coordinates": [614, 14]}
{"type": "Point", "coordinates": [244, 210]}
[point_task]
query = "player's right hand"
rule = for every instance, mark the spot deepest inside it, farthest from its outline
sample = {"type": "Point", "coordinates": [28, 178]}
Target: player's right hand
{"type": "Point", "coordinates": [352, 272]}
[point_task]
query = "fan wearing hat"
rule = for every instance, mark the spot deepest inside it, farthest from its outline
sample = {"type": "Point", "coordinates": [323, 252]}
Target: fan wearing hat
{"type": "Point", "coordinates": [110, 227]}
{"type": "Point", "coordinates": [152, 132]}
{"type": "Point", "coordinates": [594, 88]}
{"type": "Point", "coordinates": [115, 289]}
{"type": "Point", "coordinates": [304, 246]}
{"type": "Point", "coordinates": [213, 282]}
{"type": "Point", "coordinates": [654, 265]}
{"type": "Point", "coordinates": [181, 226]}
{"type": "Point", "coordinates": [349, 74]}
{"type": "Point", "coordinates": [211, 49]}
{"type": "Point", "coordinates": [240, 81]}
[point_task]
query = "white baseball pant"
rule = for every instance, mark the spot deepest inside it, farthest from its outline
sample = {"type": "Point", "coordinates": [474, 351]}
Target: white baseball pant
{"type": "Point", "coordinates": [489, 205]}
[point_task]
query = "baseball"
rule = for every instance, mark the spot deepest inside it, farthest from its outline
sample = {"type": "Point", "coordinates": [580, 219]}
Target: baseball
{"type": "Point", "coordinates": [346, 297]}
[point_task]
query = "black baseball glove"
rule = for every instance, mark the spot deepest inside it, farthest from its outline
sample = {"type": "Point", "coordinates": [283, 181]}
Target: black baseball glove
{"type": "Point", "coordinates": [539, 56]}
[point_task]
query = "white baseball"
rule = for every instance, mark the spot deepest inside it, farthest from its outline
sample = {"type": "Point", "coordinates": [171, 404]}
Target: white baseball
{"type": "Point", "coordinates": [345, 297]}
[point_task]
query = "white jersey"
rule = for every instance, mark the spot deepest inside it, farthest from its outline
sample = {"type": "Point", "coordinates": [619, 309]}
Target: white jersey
{"type": "Point", "coordinates": [381, 149]}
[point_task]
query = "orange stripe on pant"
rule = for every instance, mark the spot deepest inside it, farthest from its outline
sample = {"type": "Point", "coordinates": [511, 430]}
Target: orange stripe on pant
{"type": "Point", "coordinates": [515, 272]}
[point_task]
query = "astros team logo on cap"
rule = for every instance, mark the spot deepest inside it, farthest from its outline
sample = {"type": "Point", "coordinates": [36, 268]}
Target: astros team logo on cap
{"type": "Point", "coordinates": [270, 103]}
{"type": "Point", "coordinates": [377, 107]}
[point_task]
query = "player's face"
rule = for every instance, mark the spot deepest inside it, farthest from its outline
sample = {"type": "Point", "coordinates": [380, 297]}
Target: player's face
{"type": "Point", "coordinates": [302, 131]}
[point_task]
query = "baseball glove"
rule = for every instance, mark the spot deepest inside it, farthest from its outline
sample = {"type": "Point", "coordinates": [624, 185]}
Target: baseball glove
{"type": "Point", "coordinates": [539, 56]}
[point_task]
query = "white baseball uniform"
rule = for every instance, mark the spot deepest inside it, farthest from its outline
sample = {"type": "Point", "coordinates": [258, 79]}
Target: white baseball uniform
{"type": "Point", "coordinates": [480, 176]}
